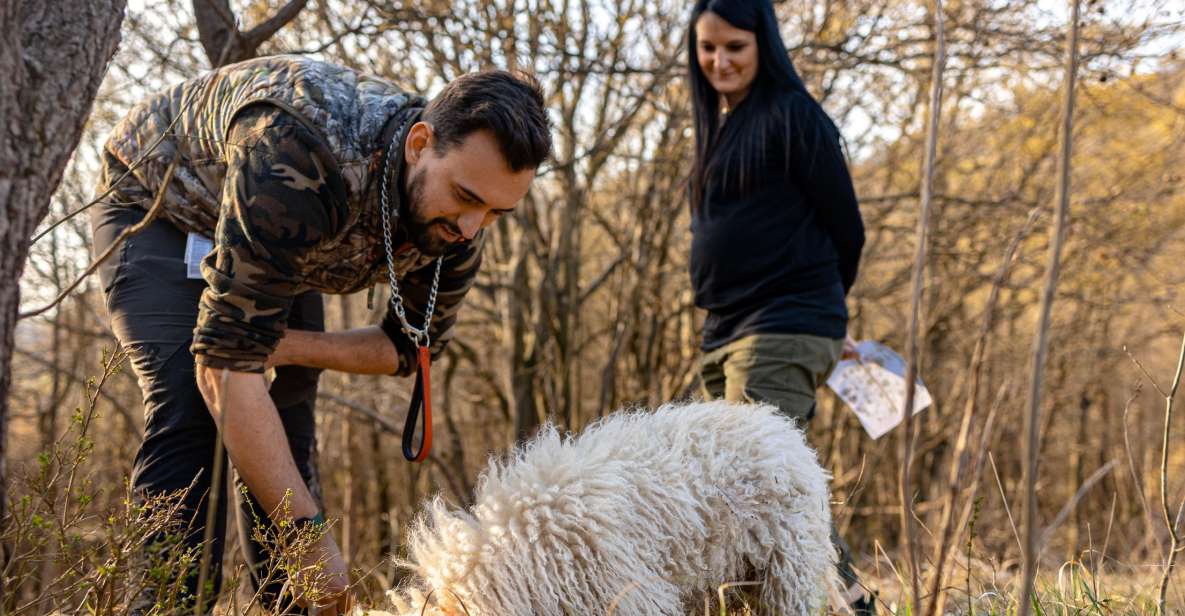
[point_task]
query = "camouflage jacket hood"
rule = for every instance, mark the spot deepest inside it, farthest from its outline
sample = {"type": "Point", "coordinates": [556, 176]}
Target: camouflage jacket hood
{"type": "Point", "coordinates": [348, 111]}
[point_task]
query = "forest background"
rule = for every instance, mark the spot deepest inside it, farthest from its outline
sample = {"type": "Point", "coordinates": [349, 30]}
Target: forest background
{"type": "Point", "coordinates": [584, 306]}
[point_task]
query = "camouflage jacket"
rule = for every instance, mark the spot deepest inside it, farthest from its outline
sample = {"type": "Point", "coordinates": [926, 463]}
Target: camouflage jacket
{"type": "Point", "coordinates": [280, 161]}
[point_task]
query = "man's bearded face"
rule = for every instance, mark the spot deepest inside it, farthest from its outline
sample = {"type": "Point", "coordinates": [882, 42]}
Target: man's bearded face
{"type": "Point", "coordinates": [454, 193]}
{"type": "Point", "coordinates": [433, 236]}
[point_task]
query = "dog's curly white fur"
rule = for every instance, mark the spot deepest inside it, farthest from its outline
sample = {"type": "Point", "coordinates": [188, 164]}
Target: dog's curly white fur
{"type": "Point", "coordinates": [641, 514]}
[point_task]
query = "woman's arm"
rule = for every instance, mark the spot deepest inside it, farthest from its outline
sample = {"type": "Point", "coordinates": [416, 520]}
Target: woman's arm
{"type": "Point", "coordinates": [820, 170]}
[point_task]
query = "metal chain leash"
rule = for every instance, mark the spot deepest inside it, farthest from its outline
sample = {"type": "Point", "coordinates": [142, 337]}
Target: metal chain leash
{"type": "Point", "coordinates": [419, 336]}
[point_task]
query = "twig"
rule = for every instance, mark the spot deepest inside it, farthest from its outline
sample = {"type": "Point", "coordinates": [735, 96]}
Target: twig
{"type": "Point", "coordinates": [1147, 375]}
{"type": "Point", "coordinates": [1131, 459]}
{"type": "Point", "coordinates": [110, 367]}
{"type": "Point", "coordinates": [1174, 536]}
{"type": "Point", "coordinates": [1004, 498]}
{"type": "Point", "coordinates": [723, 587]}
{"type": "Point", "coordinates": [128, 232]}
{"type": "Point", "coordinates": [962, 453]}
{"type": "Point", "coordinates": [213, 498]}
{"type": "Point", "coordinates": [383, 423]}
{"type": "Point", "coordinates": [919, 267]}
{"type": "Point", "coordinates": [1073, 502]}
{"type": "Point", "coordinates": [132, 167]}
{"type": "Point", "coordinates": [157, 205]}
{"type": "Point", "coordinates": [265, 30]}
{"type": "Point", "coordinates": [1032, 424]}
{"type": "Point", "coordinates": [115, 402]}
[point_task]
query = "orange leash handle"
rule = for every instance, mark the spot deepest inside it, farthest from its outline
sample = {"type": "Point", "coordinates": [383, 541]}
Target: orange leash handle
{"type": "Point", "coordinates": [421, 404]}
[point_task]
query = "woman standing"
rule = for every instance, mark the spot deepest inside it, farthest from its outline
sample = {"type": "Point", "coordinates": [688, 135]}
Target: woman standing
{"type": "Point", "coordinates": [776, 230]}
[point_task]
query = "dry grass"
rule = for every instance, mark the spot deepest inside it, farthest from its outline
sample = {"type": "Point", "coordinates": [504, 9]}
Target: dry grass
{"type": "Point", "coordinates": [76, 549]}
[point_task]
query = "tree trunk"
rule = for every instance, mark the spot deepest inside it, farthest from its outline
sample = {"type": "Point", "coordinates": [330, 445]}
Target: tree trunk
{"type": "Point", "coordinates": [53, 54]}
{"type": "Point", "coordinates": [1032, 423]}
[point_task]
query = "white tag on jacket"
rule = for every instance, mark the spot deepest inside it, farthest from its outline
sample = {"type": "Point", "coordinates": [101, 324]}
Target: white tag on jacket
{"type": "Point", "coordinates": [196, 248]}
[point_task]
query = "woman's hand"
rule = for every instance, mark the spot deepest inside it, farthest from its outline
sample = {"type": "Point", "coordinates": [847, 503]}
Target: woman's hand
{"type": "Point", "coordinates": [849, 349]}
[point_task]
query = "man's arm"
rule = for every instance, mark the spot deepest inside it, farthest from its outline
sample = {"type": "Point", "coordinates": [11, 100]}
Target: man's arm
{"type": "Point", "coordinates": [385, 349]}
{"type": "Point", "coordinates": [280, 198]}
{"type": "Point", "coordinates": [364, 350]}
{"type": "Point", "coordinates": [254, 436]}
{"type": "Point", "coordinates": [255, 440]}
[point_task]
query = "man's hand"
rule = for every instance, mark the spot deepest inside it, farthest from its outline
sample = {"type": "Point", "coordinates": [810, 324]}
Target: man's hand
{"type": "Point", "coordinates": [333, 580]}
{"type": "Point", "coordinates": [258, 447]}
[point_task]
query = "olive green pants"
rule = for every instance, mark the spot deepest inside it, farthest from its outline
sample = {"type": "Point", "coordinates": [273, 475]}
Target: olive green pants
{"type": "Point", "coordinates": [779, 369]}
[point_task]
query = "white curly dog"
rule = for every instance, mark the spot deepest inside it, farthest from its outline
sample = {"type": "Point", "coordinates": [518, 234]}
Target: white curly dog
{"type": "Point", "coordinates": [643, 514]}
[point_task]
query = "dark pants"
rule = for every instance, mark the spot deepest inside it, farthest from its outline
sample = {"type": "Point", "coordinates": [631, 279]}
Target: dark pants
{"type": "Point", "coordinates": [153, 309]}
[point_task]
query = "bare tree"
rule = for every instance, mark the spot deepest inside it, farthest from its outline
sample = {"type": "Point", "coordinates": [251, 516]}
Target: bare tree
{"type": "Point", "coordinates": [221, 37]}
{"type": "Point", "coordinates": [905, 488]}
{"type": "Point", "coordinates": [1032, 426]}
{"type": "Point", "coordinates": [45, 102]}
{"type": "Point", "coordinates": [1170, 521]}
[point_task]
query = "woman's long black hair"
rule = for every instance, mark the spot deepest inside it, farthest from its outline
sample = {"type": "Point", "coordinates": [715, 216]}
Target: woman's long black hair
{"type": "Point", "coordinates": [738, 152]}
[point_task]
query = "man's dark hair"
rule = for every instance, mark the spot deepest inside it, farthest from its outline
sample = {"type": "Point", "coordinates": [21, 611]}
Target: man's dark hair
{"type": "Point", "coordinates": [508, 104]}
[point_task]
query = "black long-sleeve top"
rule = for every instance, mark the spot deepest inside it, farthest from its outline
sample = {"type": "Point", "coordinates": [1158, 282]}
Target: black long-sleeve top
{"type": "Point", "coordinates": [781, 257]}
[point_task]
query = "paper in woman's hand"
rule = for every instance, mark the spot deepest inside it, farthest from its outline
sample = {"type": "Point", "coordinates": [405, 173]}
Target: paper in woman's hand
{"type": "Point", "coordinates": [874, 387]}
